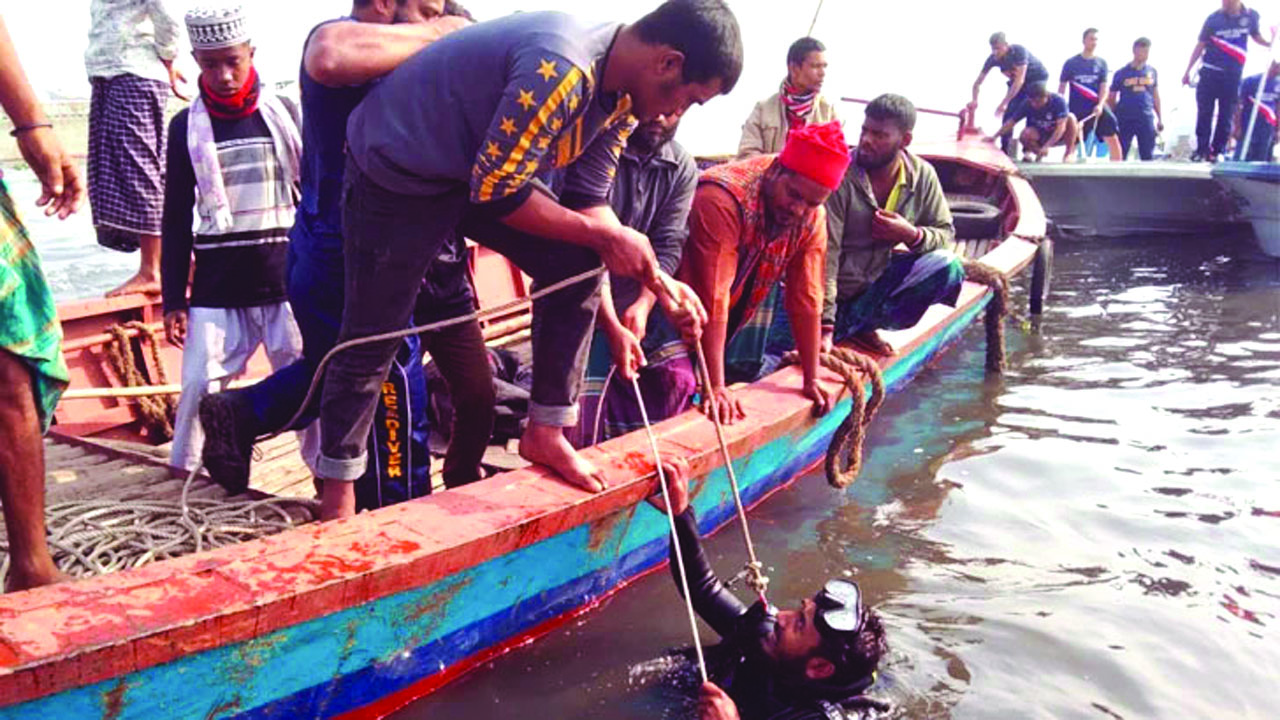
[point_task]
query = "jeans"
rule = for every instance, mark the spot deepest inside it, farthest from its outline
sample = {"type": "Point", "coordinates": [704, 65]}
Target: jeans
{"type": "Point", "coordinates": [463, 360]}
{"type": "Point", "coordinates": [391, 241]}
{"type": "Point", "coordinates": [1221, 89]}
{"type": "Point", "coordinates": [1007, 139]}
{"type": "Point", "coordinates": [1142, 127]}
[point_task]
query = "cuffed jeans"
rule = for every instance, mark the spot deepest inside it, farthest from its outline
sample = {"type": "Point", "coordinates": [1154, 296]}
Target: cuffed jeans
{"type": "Point", "coordinates": [391, 240]}
{"type": "Point", "coordinates": [1223, 90]}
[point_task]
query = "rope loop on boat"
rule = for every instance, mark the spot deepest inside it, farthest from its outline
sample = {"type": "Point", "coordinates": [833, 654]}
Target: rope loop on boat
{"type": "Point", "coordinates": [158, 411]}
{"type": "Point", "coordinates": [844, 454]}
{"type": "Point", "coordinates": [997, 310]}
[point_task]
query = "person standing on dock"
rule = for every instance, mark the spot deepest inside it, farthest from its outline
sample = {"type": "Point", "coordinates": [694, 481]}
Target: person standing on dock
{"type": "Point", "coordinates": [1224, 47]}
{"type": "Point", "coordinates": [450, 142]}
{"type": "Point", "coordinates": [756, 223]}
{"type": "Point", "coordinates": [1049, 124]}
{"type": "Point", "coordinates": [341, 61]}
{"type": "Point", "coordinates": [652, 194]}
{"type": "Point", "coordinates": [1260, 147]}
{"type": "Point", "coordinates": [797, 103]}
{"type": "Point", "coordinates": [1135, 96]}
{"type": "Point", "coordinates": [235, 154]}
{"type": "Point", "coordinates": [132, 46]}
{"type": "Point", "coordinates": [33, 372]}
{"type": "Point", "coordinates": [1085, 76]}
{"type": "Point", "coordinates": [1020, 67]}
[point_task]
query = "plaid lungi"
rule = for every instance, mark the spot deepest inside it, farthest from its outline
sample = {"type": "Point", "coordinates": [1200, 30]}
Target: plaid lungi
{"type": "Point", "coordinates": [126, 159]}
{"type": "Point", "coordinates": [29, 326]}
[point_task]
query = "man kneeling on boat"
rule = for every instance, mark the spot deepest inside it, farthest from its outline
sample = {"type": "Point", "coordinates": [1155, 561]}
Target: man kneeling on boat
{"type": "Point", "coordinates": [888, 199]}
{"type": "Point", "coordinates": [813, 662]}
{"type": "Point", "coordinates": [1049, 124]}
{"type": "Point", "coordinates": [754, 224]}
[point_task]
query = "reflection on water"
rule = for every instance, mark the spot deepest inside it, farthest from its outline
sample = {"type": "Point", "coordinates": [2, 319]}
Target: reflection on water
{"type": "Point", "coordinates": [75, 265]}
{"type": "Point", "coordinates": [1094, 535]}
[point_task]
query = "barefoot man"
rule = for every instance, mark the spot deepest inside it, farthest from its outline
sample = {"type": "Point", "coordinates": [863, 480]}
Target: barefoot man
{"type": "Point", "coordinates": [450, 140]}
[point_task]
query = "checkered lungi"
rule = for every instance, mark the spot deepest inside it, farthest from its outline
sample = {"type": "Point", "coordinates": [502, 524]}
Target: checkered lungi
{"type": "Point", "coordinates": [126, 159]}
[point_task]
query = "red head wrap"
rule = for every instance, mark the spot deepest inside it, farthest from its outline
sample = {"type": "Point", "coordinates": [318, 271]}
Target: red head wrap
{"type": "Point", "coordinates": [817, 152]}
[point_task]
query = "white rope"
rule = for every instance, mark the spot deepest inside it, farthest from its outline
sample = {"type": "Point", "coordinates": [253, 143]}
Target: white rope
{"type": "Point", "coordinates": [675, 538]}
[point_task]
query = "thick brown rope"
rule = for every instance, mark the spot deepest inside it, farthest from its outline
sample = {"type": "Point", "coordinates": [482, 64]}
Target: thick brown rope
{"type": "Point", "coordinates": [999, 307]}
{"type": "Point", "coordinates": [844, 454]}
{"type": "Point", "coordinates": [158, 411]}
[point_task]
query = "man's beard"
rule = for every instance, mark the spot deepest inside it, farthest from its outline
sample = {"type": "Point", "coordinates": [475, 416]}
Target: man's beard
{"type": "Point", "coordinates": [869, 162]}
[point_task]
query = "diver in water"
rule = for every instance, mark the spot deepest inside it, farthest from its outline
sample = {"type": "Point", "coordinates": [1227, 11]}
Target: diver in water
{"type": "Point", "coordinates": [813, 662]}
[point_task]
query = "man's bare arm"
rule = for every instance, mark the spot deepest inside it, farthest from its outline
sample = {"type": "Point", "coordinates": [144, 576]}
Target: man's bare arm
{"type": "Point", "coordinates": [1058, 129]}
{"type": "Point", "coordinates": [1195, 55]}
{"type": "Point", "coordinates": [977, 85]}
{"type": "Point", "coordinates": [343, 54]}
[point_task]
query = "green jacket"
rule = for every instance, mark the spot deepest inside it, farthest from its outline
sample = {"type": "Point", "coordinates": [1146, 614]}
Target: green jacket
{"type": "Point", "coordinates": [854, 260]}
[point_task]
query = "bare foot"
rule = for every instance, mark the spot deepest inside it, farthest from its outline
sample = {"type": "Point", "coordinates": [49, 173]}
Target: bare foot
{"type": "Point", "coordinates": [139, 283]}
{"type": "Point", "coordinates": [20, 579]}
{"type": "Point", "coordinates": [337, 499]}
{"type": "Point", "coordinates": [547, 445]}
{"type": "Point", "coordinates": [870, 340]}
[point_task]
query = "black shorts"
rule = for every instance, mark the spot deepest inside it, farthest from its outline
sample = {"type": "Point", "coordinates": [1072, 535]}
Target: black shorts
{"type": "Point", "coordinates": [1105, 123]}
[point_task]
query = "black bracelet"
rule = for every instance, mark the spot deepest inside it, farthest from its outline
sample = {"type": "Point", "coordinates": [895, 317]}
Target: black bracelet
{"type": "Point", "coordinates": [28, 128]}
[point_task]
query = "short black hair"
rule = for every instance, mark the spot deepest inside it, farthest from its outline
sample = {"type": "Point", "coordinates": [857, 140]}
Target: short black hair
{"type": "Point", "coordinates": [1142, 42]}
{"type": "Point", "coordinates": [894, 108]}
{"type": "Point", "coordinates": [1037, 89]}
{"type": "Point", "coordinates": [1086, 33]}
{"type": "Point", "coordinates": [801, 48]}
{"type": "Point", "coordinates": [706, 31]}
{"type": "Point", "coordinates": [997, 37]}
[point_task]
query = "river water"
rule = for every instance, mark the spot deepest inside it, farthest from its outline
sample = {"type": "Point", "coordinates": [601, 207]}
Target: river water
{"type": "Point", "coordinates": [1092, 536]}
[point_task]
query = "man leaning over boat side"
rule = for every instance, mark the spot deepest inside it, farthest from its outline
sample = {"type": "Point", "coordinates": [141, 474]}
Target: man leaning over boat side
{"type": "Point", "coordinates": [1260, 146]}
{"type": "Point", "coordinates": [652, 193]}
{"type": "Point", "coordinates": [234, 154]}
{"type": "Point", "coordinates": [1020, 67]}
{"type": "Point", "coordinates": [1224, 48]}
{"type": "Point", "coordinates": [889, 198]}
{"type": "Point", "coordinates": [1049, 124]}
{"type": "Point", "coordinates": [132, 46]}
{"type": "Point", "coordinates": [1084, 82]}
{"type": "Point", "coordinates": [342, 59]}
{"type": "Point", "coordinates": [33, 373]}
{"type": "Point", "coordinates": [450, 141]}
{"type": "Point", "coordinates": [797, 103]}
{"type": "Point", "coordinates": [1135, 96]}
{"type": "Point", "coordinates": [756, 223]}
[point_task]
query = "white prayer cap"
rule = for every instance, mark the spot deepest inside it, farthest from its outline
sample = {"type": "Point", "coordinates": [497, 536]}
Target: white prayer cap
{"type": "Point", "coordinates": [217, 26]}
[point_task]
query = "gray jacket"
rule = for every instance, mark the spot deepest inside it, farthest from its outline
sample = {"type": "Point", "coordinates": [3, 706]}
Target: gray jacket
{"type": "Point", "coordinates": [854, 260]}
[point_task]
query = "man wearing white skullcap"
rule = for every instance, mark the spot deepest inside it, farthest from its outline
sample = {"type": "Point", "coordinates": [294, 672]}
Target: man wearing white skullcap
{"type": "Point", "coordinates": [234, 156]}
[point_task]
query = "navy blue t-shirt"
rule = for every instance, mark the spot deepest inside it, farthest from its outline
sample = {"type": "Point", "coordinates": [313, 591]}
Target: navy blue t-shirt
{"type": "Point", "coordinates": [1136, 88]}
{"type": "Point", "coordinates": [324, 139]}
{"type": "Point", "coordinates": [1016, 56]}
{"type": "Point", "coordinates": [1087, 78]}
{"type": "Point", "coordinates": [1267, 104]}
{"type": "Point", "coordinates": [1043, 118]}
{"type": "Point", "coordinates": [1226, 39]}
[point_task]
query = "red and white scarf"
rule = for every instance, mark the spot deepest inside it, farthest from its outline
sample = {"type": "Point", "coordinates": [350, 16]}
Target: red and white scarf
{"type": "Point", "coordinates": [797, 104]}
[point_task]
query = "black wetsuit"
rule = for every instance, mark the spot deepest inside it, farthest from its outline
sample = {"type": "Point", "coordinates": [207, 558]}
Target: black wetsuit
{"type": "Point", "coordinates": [737, 665]}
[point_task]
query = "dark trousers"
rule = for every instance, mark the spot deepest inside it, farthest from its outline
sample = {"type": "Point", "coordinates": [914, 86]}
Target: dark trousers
{"type": "Point", "coordinates": [463, 360]}
{"type": "Point", "coordinates": [1218, 89]}
{"type": "Point", "coordinates": [1007, 139]}
{"type": "Point", "coordinates": [1261, 145]}
{"type": "Point", "coordinates": [1142, 127]}
{"type": "Point", "coordinates": [391, 240]}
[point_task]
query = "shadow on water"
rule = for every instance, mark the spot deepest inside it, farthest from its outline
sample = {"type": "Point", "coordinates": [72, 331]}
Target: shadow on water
{"type": "Point", "coordinates": [1091, 535]}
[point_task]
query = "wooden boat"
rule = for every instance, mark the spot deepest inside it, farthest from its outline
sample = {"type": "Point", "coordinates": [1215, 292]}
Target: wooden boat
{"type": "Point", "coordinates": [1256, 185]}
{"type": "Point", "coordinates": [356, 618]}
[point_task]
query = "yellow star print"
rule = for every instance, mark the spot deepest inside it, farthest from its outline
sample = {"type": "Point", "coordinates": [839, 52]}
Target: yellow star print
{"type": "Point", "coordinates": [547, 69]}
{"type": "Point", "coordinates": [508, 126]}
{"type": "Point", "coordinates": [531, 167]}
{"type": "Point", "coordinates": [493, 151]}
{"type": "Point", "coordinates": [526, 99]}
{"type": "Point", "coordinates": [544, 142]}
{"type": "Point", "coordinates": [573, 102]}
{"type": "Point", "coordinates": [555, 124]}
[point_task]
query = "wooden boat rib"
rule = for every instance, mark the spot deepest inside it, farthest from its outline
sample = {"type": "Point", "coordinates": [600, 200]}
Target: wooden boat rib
{"type": "Point", "coordinates": [356, 618]}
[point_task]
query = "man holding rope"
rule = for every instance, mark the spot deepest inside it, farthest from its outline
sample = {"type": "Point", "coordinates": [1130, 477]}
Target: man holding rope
{"type": "Point", "coordinates": [450, 141]}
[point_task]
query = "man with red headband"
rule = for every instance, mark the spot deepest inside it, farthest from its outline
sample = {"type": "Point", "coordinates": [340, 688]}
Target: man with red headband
{"type": "Point", "coordinates": [757, 223]}
{"type": "Point", "coordinates": [235, 155]}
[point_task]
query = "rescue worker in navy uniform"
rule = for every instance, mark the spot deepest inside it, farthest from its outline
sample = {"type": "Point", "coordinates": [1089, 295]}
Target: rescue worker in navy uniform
{"type": "Point", "coordinates": [813, 662]}
{"type": "Point", "coordinates": [1224, 45]}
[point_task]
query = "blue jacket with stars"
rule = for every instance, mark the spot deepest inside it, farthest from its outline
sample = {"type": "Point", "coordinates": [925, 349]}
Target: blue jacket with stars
{"type": "Point", "coordinates": [490, 105]}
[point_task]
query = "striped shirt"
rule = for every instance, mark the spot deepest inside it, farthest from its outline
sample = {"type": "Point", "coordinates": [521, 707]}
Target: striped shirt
{"type": "Point", "coordinates": [491, 105]}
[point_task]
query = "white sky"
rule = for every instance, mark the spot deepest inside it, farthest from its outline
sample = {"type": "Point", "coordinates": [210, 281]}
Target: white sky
{"type": "Point", "coordinates": [928, 50]}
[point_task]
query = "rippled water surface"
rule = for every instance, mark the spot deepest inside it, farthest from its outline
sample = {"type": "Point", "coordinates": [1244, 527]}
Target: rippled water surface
{"type": "Point", "coordinates": [1094, 536]}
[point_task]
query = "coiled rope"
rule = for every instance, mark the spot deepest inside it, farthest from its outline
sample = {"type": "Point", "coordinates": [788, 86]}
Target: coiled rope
{"type": "Point", "coordinates": [997, 310]}
{"type": "Point", "coordinates": [158, 411]}
{"type": "Point", "coordinates": [844, 454]}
